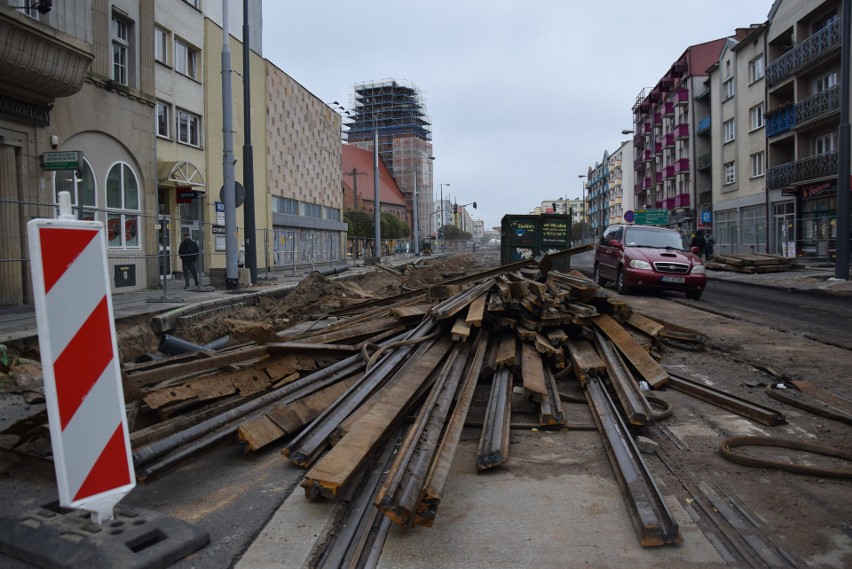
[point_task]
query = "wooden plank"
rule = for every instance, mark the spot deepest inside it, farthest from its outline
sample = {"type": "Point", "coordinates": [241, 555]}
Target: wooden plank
{"type": "Point", "coordinates": [647, 368]}
{"type": "Point", "coordinates": [411, 312]}
{"type": "Point", "coordinates": [525, 333]}
{"type": "Point", "coordinates": [543, 346]}
{"type": "Point", "coordinates": [584, 359]}
{"type": "Point", "coordinates": [461, 330]}
{"type": "Point", "coordinates": [287, 419]}
{"type": "Point", "coordinates": [645, 324]}
{"type": "Point", "coordinates": [476, 311]}
{"type": "Point", "coordinates": [136, 381]}
{"type": "Point", "coordinates": [533, 372]}
{"type": "Point", "coordinates": [557, 336]}
{"type": "Point", "coordinates": [331, 472]}
{"type": "Point", "coordinates": [507, 351]}
{"type": "Point", "coordinates": [278, 367]}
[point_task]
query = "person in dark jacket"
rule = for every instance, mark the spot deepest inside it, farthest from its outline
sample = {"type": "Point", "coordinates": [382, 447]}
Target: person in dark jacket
{"type": "Point", "coordinates": [709, 241]}
{"type": "Point", "coordinates": [188, 252]}
{"type": "Point", "coordinates": [699, 242]}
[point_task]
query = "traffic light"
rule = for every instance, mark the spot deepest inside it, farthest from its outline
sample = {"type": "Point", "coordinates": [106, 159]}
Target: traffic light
{"type": "Point", "coordinates": [440, 234]}
{"type": "Point", "coordinates": [455, 208]}
{"type": "Point", "coordinates": [474, 205]}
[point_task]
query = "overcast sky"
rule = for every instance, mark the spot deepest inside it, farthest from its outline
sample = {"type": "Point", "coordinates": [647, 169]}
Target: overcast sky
{"type": "Point", "coordinates": [523, 95]}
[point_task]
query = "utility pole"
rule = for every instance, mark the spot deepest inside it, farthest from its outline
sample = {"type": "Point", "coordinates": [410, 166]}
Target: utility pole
{"type": "Point", "coordinates": [377, 204]}
{"type": "Point", "coordinates": [844, 234]}
{"type": "Point", "coordinates": [248, 154]}
{"type": "Point", "coordinates": [232, 282]}
{"type": "Point", "coordinates": [416, 220]}
{"type": "Point", "coordinates": [355, 173]}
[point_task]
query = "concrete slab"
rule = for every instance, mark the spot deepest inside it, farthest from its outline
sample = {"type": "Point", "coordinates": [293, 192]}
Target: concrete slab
{"type": "Point", "coordinates": [544, 508]}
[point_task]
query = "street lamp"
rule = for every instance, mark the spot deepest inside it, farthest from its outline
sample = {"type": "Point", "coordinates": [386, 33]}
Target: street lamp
{"type": "Point", "coordinates": [582, 209]}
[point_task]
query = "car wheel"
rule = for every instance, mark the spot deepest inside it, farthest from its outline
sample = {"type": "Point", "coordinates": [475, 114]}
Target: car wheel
{"type": "Point", "coordinates": [598, 278]}
{"type": "Point", "coordinates": [620, 285]}
{"type": "Point", "coordinates": [693, 295]}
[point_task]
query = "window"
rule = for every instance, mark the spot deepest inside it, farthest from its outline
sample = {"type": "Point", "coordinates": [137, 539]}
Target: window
{"type": "Point", "coordinates": [825, 82]}
{"type": "Point", "coordinates": [81, 188]}
{"type": "Point", "coordinates": [285, 205]}
{"type": "Point", "coordinates": [758, 164]}
{"type": "Point", "coordinates": [122, 190]}
{"type": "Point", "coordinates": [163, 120]}
{"type": "Point", "coordinates": [729, 130]}
{"type": "Point", "coordinates": [185, 60]}
{"type": "Point", "coordinates": [825, 143]}
{"type": "Point", "coordinates": [193, 3]}
{"type": "Point", "coordinates": [755, 69]}
{"type": "Point", "coordinates": [730, 173]}
{"type": "Point", "coordinates": [120, 51]}
{"type": "Point", "coordinates": [311, 210]}
{"type": "Point", "coordinates": [161, 45]}
{"type": "Point", "coordinates": [756, 114]}
{"type": "Point", "coordinates": [728, 88]}
{"type": "Point", "coordinates": [188, 128]}
{"type": "Point", "coordinates": [332, 213]}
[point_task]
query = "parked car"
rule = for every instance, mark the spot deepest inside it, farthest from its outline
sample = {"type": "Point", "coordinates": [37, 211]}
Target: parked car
{"type": "Point", "coordinates": [642, 257]}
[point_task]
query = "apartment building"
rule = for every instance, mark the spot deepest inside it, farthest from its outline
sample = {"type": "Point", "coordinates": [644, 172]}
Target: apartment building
{"type": "Point", "coordinates": [803, 52]}
{"type": "Point", "coordinates": [620, 177]}
{"type": "Point", "coordinates": [665, 119]}
{"type": "Point", "coordinates": [737, 163]}
{"type": "Point", "coordinates": [597, 195]}
{"type": "Point", "coordinates": [80, 118]}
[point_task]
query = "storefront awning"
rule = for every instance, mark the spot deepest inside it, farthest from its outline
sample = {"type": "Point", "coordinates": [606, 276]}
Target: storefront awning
{"type": "Point", "coordinates": [180, 174]}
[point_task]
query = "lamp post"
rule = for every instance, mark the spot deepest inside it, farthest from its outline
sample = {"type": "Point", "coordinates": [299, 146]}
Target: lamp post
{"type": "Point", "coordinates": [582, 208]}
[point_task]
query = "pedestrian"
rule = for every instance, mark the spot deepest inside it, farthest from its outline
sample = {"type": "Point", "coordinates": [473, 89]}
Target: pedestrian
{"type": "Point", "coordinates": [188, 252]}
{"type": "Point", "coordinates": [698, 242]}
{"type": "Point", "coordinates": [709, 241]}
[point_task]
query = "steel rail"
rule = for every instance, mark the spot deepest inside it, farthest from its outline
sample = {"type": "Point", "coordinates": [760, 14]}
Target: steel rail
{"type": "Point", "coordinates": [651, 517]}
{"type": "Point", "coordinates": [401, 492]}
{"type": "Point", "coordinates": [749, 409]}
{"type": "Point", "coordinates": [307, 445]}
{"type": "Point", "coordinates": [439, 471]}
{"type": "Point", "coordinates": [454, 304]}
{"type": "Point", "coordinates": [635, 407]}
{"type": "Point", "coordinates": [494, 442]}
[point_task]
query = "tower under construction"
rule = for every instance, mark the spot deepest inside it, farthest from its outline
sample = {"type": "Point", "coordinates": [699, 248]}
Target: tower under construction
{"type": "Point", "coordinates": [396, 112]}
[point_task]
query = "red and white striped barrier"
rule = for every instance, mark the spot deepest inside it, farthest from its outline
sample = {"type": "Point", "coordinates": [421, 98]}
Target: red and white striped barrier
{"type": "Point", "coordinates": [79, 356]}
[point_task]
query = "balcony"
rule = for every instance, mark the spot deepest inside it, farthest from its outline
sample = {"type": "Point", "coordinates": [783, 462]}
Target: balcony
{"type": "Point", "coordinates": [646, 128]}
{"type": "Point", "coordinates": [670, 171]}
{"type": "Point", "coordinates": [668, 109]}
{"type": "Point", "coordinates": [806, 52]}
{"type": "Point", "coordinates": [669, 203]}
{"type": "Point", "coordinates": [681, 200]}
{"type": "Point", "coordinates": [681, 131]}
{"type": "Point", "coordinates": [681, 166]}
{"type": "Point", "coordinates": [704, 162]}
{"type": "Point", "coordinates": [647, 154]}
{"type": "Point", "coordinates": [810, 169]}
{"type": "Point", "coordinates": [637, 188]}
{"type": "Point", "coordinates": [781, 176]}
{"type": "Point", "coordinates": [668, 140]}
{"type": "Point", "coordinates": [820, 105]}
{"type": "Point", "coordinates": [781, 121]}
{"type": "Point", "coordinates": [681, 97]}
{"type": "Point", "coordinates": [658, 118]}
{"type": "Point", "coordinates": [659, 177]}
{"type": "Point", "coordinates": [703, 126]}
{"type": "Point", "coordinates": [646, 183]}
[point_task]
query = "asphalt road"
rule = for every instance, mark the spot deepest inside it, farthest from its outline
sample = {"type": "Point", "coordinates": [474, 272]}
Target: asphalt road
{"type": "Point", "coordinates": [821, 318]}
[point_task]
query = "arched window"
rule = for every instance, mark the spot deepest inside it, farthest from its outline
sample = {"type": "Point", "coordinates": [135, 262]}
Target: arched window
{"type": "Point", "coordinates": [122, 192]}
{"type": "Point", "coordinates": [81, 186]}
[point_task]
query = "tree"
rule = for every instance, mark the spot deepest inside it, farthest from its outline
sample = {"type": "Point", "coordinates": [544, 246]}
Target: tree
{"type": "Point", "coordinates": [360, 223]}
{"type": "Point", "coordinates": [393, 227]}
{"type": "Point", "coordinates": [453, 233]}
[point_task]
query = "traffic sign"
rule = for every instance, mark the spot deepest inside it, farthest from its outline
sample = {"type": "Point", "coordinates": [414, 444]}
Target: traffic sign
{"type": "Point", "coordinates": [82, 377]}
{"type": "Point", "coordinates": [652, 217]}
{"type": "Point", "coordinates": [629, 216]}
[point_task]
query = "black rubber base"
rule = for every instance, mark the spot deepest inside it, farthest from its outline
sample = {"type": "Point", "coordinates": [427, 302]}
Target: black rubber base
{"type": "Point", "coordinates": [57, 537]}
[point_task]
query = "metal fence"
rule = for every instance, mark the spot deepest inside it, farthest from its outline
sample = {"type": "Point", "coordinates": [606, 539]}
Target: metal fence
{"type": "Point", "coordinates": [142, 252]}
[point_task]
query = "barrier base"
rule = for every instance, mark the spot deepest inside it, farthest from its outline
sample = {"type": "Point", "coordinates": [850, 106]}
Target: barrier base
{"type": "Point", "coordinates": [58, 537]}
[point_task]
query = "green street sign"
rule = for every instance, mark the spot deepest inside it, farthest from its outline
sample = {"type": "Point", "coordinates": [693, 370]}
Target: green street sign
{"type": "Point", "coordinates": [68, 160]}
{"type": "Point", "coordinates": [652, 217]}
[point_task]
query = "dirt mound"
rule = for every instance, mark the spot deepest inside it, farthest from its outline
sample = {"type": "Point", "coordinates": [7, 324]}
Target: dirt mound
{"type": "Point", "coordinates": [315, 295]}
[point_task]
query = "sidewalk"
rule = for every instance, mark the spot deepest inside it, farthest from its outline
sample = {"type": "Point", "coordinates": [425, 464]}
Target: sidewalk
{"type": "Point", "coordinates": [18, 324]}
{"type": "Point", "coordinates": [812, 280]}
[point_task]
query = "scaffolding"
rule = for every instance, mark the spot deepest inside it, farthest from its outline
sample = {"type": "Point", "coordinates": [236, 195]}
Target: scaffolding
{"type": "Point", "coordinates": [396, 111]}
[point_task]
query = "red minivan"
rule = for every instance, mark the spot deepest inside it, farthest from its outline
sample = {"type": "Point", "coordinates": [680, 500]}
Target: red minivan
{"type": "Point", "coordinates": [643, 257]}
